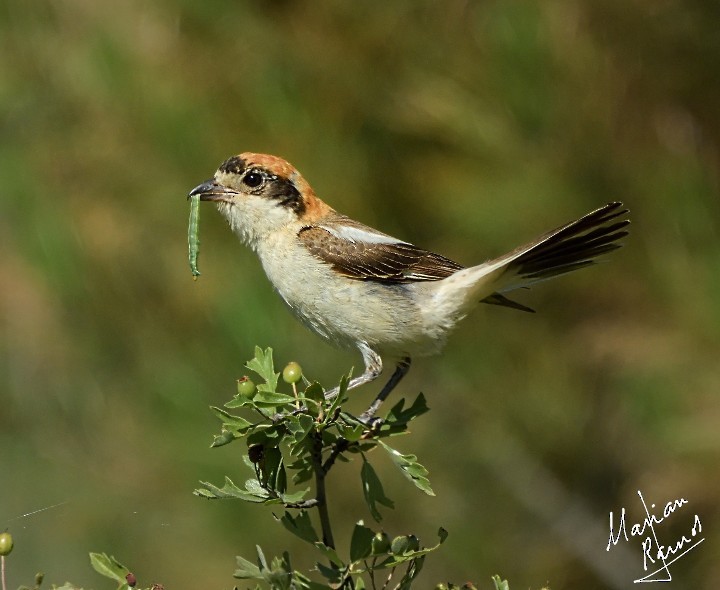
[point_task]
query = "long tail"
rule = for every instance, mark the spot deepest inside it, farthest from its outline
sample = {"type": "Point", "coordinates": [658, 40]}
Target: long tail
{"type": "Point", "coordinates": [572, 246]}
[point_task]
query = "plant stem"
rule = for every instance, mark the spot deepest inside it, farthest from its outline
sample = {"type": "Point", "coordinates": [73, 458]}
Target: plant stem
{"type": "Point", "coordinates": [371, 571]}
{"type": "Point", "coordinates": [340, 446]}
{"type": "Point", "coordinates": [320, 493]}
{"type": "Point", "coordinates": [311, 503]}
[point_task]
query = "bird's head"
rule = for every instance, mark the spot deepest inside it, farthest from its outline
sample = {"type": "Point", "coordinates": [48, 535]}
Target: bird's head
{"type": "Point", "coordinates": [260, 194]}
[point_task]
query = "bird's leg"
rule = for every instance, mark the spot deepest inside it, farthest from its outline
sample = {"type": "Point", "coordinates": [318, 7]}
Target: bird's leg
{"type": "Point", "coordinates": [373, 368]}
{"type": "Point", "coordinates": [400, 371]}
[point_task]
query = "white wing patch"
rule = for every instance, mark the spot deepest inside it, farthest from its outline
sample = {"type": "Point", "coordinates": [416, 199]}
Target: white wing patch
{"type": "Point", "coordinates": [356, 234]}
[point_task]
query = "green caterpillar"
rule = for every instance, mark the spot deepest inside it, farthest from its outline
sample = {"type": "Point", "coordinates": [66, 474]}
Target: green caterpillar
{"type": "Point", "coordinates": [193, 239]}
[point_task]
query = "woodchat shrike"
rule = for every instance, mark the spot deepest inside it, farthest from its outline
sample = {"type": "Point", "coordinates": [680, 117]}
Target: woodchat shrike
{"type": "Point", "coordinates": [360, 288]}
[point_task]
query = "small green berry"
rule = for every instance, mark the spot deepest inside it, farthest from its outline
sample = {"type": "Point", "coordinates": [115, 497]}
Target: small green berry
{"type": "Point", "coordinates": [6, 544]}
{"type": "Point", "coordinates": [292, 372]}
{"type": "Point", "coordinates": [399, 545]}
{"type": "Point", "coordinates": [245, 387]}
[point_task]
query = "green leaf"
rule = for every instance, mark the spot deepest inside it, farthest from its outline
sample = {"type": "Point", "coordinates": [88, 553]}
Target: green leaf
{"type": "Point", "coordinates": [235, 423]}
{"type": "Point", "coordinates": [373, 490]}
{"type": "Point", "coordinates": [500, 584]}
{"type": "Point", "coordinates": [361, 542]}
{"type": "Point", "coordinates": [339, 399]}
{"type": "Point", "coordinates": [352, 433]}
{"type": "Point", "coordinates": [332, 575]}
{"type": "Point", "coordinates": [314, 392]}
{"type": "Point", "coordinates": [328, 438]}
{"type": "Point", "coordinates": [406, 549]}
{"type": "Point", "coordinates": [409, 466]}
{"type": "Point", "coordinates": [271, 399]}
{"type": "Point", "coordinates": [329, 553]}
{"type": "Point", "coordinates": [295, 497]}
{"type": "Point", "coordinates": [262, 562]}
{"type": "Point", "coordinates": [380, 543]}
{"type": "Point", "coordinates": [262, 364]}
{"type": "Point", "coordinates": [411, 573]}
{"type": "Point", "coordinates": [303, 467]}
{"type": "Point", "coordinates": [278, 574]}
{"type": "Point", "coordinates": [247, 570]}
{"type": "Point", "coordinates": [230, 490]}
{"type": "Point", "coordinates": [301, 582]}
{"type": "Point", "coordinates": [300, 526]}
{"type": "Point", "coordinates": [109, 567]}
{"type": "Point", "coordinates": [281, 576]}
{"type": "Point", "coordinates": [224, 438]}
{"type": "Point", "coordinates": [273, 470]}
{"type": "Point", "coordinates": [266, 435]}
{"type": "Point", "coordinates": [255, 487]}
{"type": "Point", "coordinates": [398, 415]}
{"type": "Point", "coordinates": [303, 452]}
{"type": "Point", "coordinates": [238, 402]}
{"type": "Point", "coordinates": [300, 426]}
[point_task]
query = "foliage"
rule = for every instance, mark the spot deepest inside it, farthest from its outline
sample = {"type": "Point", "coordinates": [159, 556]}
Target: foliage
{"type": "Point", "coordinates": [305, 434]}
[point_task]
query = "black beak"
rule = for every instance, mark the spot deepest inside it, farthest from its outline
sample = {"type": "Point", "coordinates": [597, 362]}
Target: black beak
{"type": "Point", "coordinates": [211, 191]}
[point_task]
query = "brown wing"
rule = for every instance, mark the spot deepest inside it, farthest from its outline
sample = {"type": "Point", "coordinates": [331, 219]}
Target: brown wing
{"type": "Point", "coordinates": [385, 262]}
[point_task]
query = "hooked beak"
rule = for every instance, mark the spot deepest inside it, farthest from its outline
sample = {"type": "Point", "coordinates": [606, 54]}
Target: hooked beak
{"type": "Point", "coordinates": [212, 191]}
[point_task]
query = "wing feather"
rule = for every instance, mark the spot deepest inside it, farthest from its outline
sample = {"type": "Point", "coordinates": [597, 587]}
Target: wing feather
{"type": "Point", "coordinates": [359, 252]}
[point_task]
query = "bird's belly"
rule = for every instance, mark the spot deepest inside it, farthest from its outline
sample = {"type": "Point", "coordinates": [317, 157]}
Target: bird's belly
{"type": "Point", "coordinates": [347, 311]}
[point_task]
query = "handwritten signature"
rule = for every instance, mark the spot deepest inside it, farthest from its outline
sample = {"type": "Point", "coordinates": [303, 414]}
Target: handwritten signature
{"type": "Point", "coordinates": [654, 553]}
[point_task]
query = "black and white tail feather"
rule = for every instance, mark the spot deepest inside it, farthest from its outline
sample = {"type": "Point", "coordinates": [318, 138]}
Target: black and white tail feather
{"type": "Point", "coordinates": [570, 247]}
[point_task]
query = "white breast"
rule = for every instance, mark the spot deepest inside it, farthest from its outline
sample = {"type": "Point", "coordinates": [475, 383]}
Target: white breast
{"type": "Point", "coordinates": [345, 311]}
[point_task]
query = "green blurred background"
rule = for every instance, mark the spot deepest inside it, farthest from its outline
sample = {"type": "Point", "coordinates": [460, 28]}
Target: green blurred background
{"type": "Point", "coordinates": [465, 127]}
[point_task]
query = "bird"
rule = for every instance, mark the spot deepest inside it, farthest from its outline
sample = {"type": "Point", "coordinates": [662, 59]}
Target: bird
{"type": "Point", "coordinates": [357, 287]}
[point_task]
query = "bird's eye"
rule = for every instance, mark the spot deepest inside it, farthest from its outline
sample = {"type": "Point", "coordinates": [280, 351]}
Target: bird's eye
{"type": "Point", "coordinates": [253, 179]}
